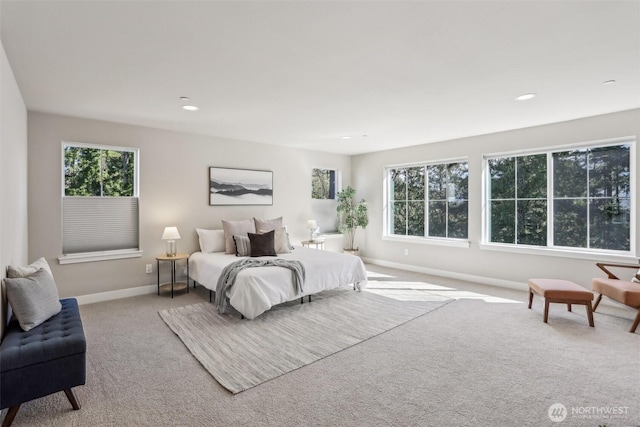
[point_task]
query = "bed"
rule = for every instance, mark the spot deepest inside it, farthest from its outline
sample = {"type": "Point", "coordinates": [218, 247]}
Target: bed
{"type": "Point", "coordinates": [258, 289]}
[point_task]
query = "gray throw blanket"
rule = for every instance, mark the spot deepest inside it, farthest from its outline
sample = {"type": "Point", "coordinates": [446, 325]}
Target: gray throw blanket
{"type": "Point", "coordinates": [230, 272]}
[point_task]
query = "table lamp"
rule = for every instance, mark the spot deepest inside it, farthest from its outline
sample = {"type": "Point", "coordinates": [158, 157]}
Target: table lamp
{"type": "Point", "coordinates": [171, 234]}
{"type": "Point", "coordinates": [311, 225]}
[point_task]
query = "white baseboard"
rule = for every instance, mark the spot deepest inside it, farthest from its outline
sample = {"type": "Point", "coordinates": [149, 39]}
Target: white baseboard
{"type": "Point", "coordinates": [121, 293]}
{"type": "Point", "coordinates": [469, 278]}
{"type": "Point", "coordinates": [451, 274]}
{"type": "Point", "coordinates": [149, 289]}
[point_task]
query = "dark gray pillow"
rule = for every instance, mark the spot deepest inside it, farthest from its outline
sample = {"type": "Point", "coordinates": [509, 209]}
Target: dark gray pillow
{"type": "Point", "coordinates": [34, 299]}
{"type": "Point", "coordinates": [262, 244]}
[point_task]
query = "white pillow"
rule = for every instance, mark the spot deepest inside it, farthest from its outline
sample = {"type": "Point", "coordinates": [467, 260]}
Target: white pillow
{"type": "Point", "coordinates": [236, 228]}
{"type": "Point", "coordinates": [14, 272]}
{"type": "Point", "coordinates": [211, 240]}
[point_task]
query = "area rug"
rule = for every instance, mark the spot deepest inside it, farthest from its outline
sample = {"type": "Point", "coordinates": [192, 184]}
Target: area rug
{"type": "Point", "coordinates": [241, 353]}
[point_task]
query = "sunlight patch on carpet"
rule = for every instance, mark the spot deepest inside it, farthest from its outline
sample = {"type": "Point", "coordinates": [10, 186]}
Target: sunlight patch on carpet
{"type": "Point", "coordinates": [421, 291]}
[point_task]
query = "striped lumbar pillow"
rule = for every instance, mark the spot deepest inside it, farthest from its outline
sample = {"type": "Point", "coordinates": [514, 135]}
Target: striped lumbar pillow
{"type": "Point", "coordinates": [243, 246]}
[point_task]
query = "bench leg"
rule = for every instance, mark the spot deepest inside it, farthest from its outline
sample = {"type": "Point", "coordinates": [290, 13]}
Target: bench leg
{"type": "Point", "coordinates": [597, 302]}
{"type": "Point", "coordinates": [568, 307]}
{"type": "Point", "coordinates": [11, 414]}
{"type": "Point", "coordinates": [635, 322]}
{"type": "Point", "coordinates": [72, 399]}
{"type": "Point", "coordinates": [530, 297]}
{"type": "Point", "coordinates": [546, 310]}
{"type": "Point", "coordinates": [589, 313]}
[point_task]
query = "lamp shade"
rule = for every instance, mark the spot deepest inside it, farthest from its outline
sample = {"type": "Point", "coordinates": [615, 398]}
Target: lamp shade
{"type": "Point", "coordinates": [312, 224]}
{"type": "Point", "coordinates": [170, 233]}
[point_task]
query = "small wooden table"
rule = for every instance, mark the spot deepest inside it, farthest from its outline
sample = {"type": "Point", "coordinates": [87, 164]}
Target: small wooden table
{"type": "Point", "coordinates": [172, 260]}
{"type": "Point", "coordinates": [319, 244]}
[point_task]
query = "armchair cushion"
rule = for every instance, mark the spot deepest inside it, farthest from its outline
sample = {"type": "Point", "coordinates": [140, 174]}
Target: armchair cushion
{"type": "Point", "coordinates": [625, 292]}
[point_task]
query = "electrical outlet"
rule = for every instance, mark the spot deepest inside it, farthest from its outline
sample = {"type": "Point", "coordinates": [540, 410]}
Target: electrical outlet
{"type": "Point", "coordinates": [149, 268]}
{"type": "Point", "coordinates": [406, 251]}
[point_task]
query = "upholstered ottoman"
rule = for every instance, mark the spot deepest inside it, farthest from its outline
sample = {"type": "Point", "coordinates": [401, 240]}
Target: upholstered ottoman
{"type": "Point", "coordinates": [560, 291]}
{"type": "Point", "coordinates": [47, 359]}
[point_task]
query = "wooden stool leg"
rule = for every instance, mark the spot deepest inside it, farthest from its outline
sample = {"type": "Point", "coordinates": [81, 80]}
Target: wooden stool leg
{"type": "Point", "coordinates": [546, 310]}
{"type": "Point", "coordinates": [597, 302]}
{"type": "Point", "coordinates": [72, 399]}
{"type": "Point", "coordinates": [568, 307]}
{"type": "Point", "coordinates": [530, 297]}
{"type": "Point", "coordinates": [589, 313]}
{"type": "Point", "coordinates": [11, 414]}
{"type": "Point", "coordinates": [635, 322]}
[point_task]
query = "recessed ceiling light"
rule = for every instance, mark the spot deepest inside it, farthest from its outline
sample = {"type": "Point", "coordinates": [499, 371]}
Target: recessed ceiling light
{"type": "Point", "coordinates": [526, 96]}
{"type": "Point", "coordinates": [190, 107]}
{"type": "Point", "coordinates": [346, 137]}
{"type": "Point", "coordinates": [608, 82]}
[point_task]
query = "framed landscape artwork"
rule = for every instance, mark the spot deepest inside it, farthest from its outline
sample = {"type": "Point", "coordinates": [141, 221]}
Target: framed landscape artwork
{"type": "Point", "coordinates": [240, 187]}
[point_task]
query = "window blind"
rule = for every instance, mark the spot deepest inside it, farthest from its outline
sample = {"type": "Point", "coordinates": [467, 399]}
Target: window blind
{"type": "Point", "coordinates": [95, 224]}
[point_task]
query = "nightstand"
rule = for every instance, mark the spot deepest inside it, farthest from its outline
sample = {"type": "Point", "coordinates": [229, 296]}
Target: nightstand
{"type": "Point", "coordinates": [318, 244]}
{"type": "Point", "coordinates": [172, 260]}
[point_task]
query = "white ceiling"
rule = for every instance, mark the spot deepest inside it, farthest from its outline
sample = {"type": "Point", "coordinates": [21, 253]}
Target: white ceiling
{"type": "Point", "coordinates": [304, 73]}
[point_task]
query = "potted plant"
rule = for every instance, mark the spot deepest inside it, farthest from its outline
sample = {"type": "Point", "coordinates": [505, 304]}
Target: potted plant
{"type": "Point", "coordinates": [352, 214]}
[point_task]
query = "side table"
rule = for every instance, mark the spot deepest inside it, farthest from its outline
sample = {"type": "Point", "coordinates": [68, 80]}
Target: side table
{"type": "Point", "coordinates": [319, 244]}
{"type": "Point", "coordinates": [172, 260]}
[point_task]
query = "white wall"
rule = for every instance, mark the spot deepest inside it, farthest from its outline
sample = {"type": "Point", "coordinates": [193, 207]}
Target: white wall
{"type": "Point", "coordinates": [13, 175]}
{"type": "Point", "coordinates": [367, 175]}
{"type": "Point", "coordinates": [173, 191]}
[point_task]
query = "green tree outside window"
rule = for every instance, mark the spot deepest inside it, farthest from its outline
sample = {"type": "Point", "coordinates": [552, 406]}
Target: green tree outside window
{"type": "Point", "coordinates": [429, 200]}
{"type": "Point", "coordinates": [98, 172]}
{"type": "Point", "coordinates": [590, 204]}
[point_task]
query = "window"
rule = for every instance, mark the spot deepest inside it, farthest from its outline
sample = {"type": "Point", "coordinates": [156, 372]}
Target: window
{"type": "Point", "coordinates": [578, 198]}
{"type": "Point", "coordinates": [429, 200]}
{"type": "Point", "coordinates": [518, 200]}
{"type": "Point", "coordinates": [100, 199]}
{"type": "Point", "coordinates": [325, 184]}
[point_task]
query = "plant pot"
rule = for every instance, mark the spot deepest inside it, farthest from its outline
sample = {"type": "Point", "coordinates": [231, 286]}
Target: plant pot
{"type": "Point", "coordinates": [355, 251]}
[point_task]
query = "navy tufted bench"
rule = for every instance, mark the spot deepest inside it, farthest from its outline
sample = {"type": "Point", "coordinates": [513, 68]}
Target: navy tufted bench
{"type": "Point", "coordinates": [47, 359]}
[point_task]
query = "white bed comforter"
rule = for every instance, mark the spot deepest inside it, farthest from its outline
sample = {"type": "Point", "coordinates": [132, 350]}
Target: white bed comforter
{"type": "Point", "coordinates": [258, 289]}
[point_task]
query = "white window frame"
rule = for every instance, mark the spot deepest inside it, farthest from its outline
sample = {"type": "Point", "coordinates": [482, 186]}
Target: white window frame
{"type": "Point", "coordinates": [388, 211]}
{"type": "Point", "coordinates": [562, 251]}
{"type": "Point", "coordinates": [100, 255]}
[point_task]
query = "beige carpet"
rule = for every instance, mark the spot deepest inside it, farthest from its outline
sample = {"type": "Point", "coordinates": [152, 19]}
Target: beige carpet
{"type": "Point", "coordinates": [482, 360]}
{"type": "Point", "coordinates": [241, 353]}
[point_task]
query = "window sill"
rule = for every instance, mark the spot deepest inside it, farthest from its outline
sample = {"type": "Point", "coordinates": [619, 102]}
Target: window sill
{"type": "Point", "coordinates": [330, 235]}
{"type": "Point", "coordinates": [563, 253]}
{"type": "Point", "coordinates": [455, 243]}
{"type": "Point", "coordinates": [99, 256]}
